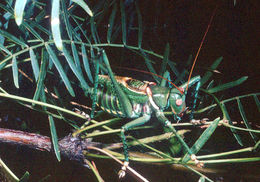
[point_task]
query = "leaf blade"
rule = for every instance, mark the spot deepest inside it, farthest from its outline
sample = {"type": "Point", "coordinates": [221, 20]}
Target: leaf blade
{"type": "Point", "coordinates": [54, 138]}
{"type": "Point", "coordinates": [34, 63]}
{"type": "Point", "coordinates": [15, 72]}
{"type": "Point", "coordinates": [111, 22]}
{"type": "Point", "coordinates": [57, 64]}
{"type": "Point", "coordinates": [55, 24]}
{"type": "Point", "coordinates": [19, 10]}
{"type": "Point", "coordinates": [228, 85]}
{"type": "Point", "coordinates": [202, 139]}
{"type": "Point", "coordinates": [82, 4]}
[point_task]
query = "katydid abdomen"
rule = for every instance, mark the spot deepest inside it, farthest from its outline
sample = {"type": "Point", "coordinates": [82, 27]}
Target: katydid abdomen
{"type": "Point", "coordinates": [107, 100]}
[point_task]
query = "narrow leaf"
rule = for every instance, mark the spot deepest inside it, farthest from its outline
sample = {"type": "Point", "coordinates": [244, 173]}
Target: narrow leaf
{"type": "Point", "coordinates": [76, 56]}
{"type": "Point", "coordinates": [257, 103]}
{"type": "Point", "coordinates": [55, 24]}
{"type": "Point", "coordinates": [54, 138]}
{"type": "Point", "coordinates": [165, 59]}
{"type": "Point", "coordinates": [173, 68]}
{"type": "Point", "coordinates": [86, 63]}
{"type": "Point", "coordinates": [202, 139]}
{"type": "Point", "coordinates": [226, 116]}
{"type": "Point", "coordinates": [93, 29]}
{"type": "Point", "coordinates": [149, 65]}
{"type": "Point", "coordinates": [74, 69]}
{"type": "Point", "coordinates": [12, 38]}
{"type": "Point", "coordinates": [208, 74]}
{"type": "Point", "coordinates": [40, 83]}
{"type": "Point", "coordinates": [57, 64]}
{"type": "Point", "coordinates": [180, 77]}
{"type": "Point", "coordinates": [111, 22]}
{"type": "Point", "coordinates": [140, 25]}
{"type": "Point", "coordinates": [18, 11]}
{"type": "Point", "coordinates": [2, 47]}
{"type": "Point", "coordinates": [35, 65]}
{"type": "Point", "coordinates": [28, 27]}
{"type": "Point", "coordinates": [123, 21]}
{"type": "Point", "coordinates": [163, 81]}
{"type": "Point", "coordinates": [202, 179]}
{"type": "Point", "coordinates": [243, 115]}
{"type": "Point", "coordinates": [15, 72]}
{"type": "Point", "coordinates": [25, 177]}
{"type": "Point", "coordinates": [84, 6]}
{"type": "Point", "coordinates": [66, 19]}
{"type": "Point", "coordinates": [41, 28]}
{"type": "Point", "coordinates": [227, 85]}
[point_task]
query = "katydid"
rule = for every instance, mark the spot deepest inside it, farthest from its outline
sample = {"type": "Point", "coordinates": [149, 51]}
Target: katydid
{"type": "Point", "coordinates": [131, 98]}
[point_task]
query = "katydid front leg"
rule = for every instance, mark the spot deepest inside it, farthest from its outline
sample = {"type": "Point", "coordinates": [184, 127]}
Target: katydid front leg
{"type": "Point", "coordinates": [137, 122]}
{"type": "Point", "coordinates": [160, 116]}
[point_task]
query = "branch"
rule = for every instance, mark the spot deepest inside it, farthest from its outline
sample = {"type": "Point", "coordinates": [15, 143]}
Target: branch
{"type": "Point", "coordinates": [70, 147]}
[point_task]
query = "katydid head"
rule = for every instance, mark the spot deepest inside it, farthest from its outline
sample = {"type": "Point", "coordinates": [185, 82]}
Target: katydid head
{"type": "Point", "coordinates": [177, 101]}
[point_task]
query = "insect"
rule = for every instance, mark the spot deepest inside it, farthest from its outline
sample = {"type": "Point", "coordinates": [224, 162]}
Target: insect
{"type": "Point", "coordinates": [139, 100]}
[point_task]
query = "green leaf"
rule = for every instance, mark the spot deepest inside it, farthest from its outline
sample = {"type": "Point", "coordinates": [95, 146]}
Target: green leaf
{"type": "Point", "coordinates": [257, 103]}
{"type": "Point", "coordinates": [15, 72]}
{"type": "Point", "coordinates": [228, 85]}
{"type": "Point", "coordinates": [213, 67]}
{"type": "Point", "coordinates": [25, 177]}
{"type": "Point", "coordinates": [12, 38]}
{"type": "Point", "coordinates": [243, 115]}
{"type": "Point", "coordinates": [180, 77]}
{"type": "Point", "coordinates": [54, 138]}
{"type": "Point", "coordinates": [140, 25]}
{"type": "Point", "coordinates": [123, 21]}
{"type": "Point", "coordinates": [84, 6]}
{"type": "Point", "coordinates": [27, 26]}
{"type": "Point", "coordinates": [202, 179]}
{"type": "Point", "coordinates": [111, 22]}
{"type": "Point", "coordinates": [40, 83]}
{"type": "Point", "coordinates": [173, 68]}
{"type": "Point", "coordinates": [57, 64]}
{"type": "Point", "coordinates": [66, 19]}
{"type": "Point", "coordinates": [2, 47]}
{"type": "Point", "coordinates": [35, 65]}
{"type": "Point", "coordinates": [149, 65]}
{"type": "Point", "coordinates": [86, 63]}
{"type": "Point", "coordinates": [18, 11]}
{"type": "Point", "coordinates": [76, 56]}
{"type": "Point", "coordinates": [74, 69]}
{"type": "Point", "coordinates": [165, 59]}
{"type": "Point", "coordinates": [226, 117]}
{"type": "Point", "coordinates": [204, 137]}
{"type": "Point", "coordinates": [38, 26]}
{"type": "Point", "coordinates": [55, 24]}
{"type": "Point", "coordinates": [93, 29]}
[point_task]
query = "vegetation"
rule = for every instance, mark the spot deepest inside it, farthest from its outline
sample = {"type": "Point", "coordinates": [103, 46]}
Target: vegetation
{"type": "Point", "coordinates": [50, 54]}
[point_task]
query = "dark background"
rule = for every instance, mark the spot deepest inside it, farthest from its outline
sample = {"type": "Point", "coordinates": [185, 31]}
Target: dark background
{"type": "Point", "coordinates": [234, 34]}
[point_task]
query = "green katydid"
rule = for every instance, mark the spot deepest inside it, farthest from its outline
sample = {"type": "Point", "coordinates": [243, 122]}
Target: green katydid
{"type": "Point", "coordinates": [130, 98]}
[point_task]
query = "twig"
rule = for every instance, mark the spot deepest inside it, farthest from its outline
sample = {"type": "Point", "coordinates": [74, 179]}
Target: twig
{"type": "Point", "coordinates": [70, 147]}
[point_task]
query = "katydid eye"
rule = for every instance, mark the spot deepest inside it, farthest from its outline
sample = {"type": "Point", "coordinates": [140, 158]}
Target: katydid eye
{"type": "Point", "coordinates": [179, 102]}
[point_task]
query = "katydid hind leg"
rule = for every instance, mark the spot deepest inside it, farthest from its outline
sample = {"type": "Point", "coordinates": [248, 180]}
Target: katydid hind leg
{"type": "Point", "coordinates": [94, 96]}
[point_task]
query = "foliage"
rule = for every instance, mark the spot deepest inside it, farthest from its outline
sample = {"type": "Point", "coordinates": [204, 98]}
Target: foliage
{"type": "Point", "coordinates": [56, 48]}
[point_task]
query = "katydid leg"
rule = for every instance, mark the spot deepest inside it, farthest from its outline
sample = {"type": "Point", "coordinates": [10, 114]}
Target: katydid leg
{"type": "Point", "coordinates": [160, 116]}
{"type": "Point", "coordinates": [137, 122]}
